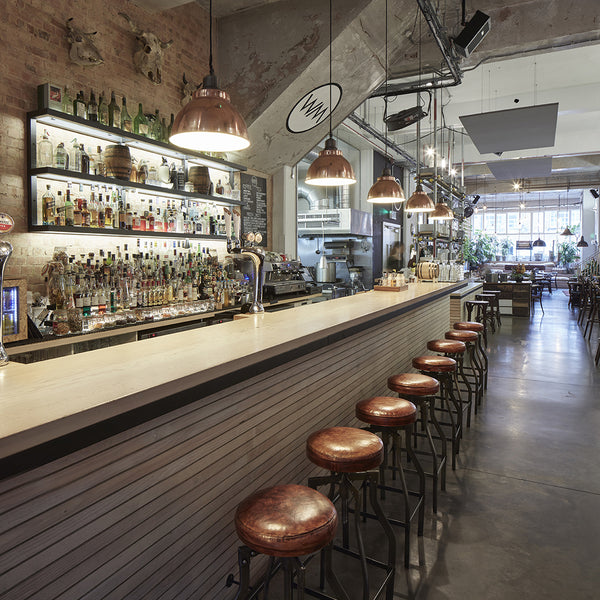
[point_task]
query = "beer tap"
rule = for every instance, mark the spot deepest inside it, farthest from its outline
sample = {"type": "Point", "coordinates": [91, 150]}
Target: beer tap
{"type": "Point", "coordinates": [251, 251]}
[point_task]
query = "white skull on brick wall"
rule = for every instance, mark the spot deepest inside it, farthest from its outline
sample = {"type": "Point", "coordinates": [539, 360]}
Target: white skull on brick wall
{"type": "Point", "coordinates": [149, 56]}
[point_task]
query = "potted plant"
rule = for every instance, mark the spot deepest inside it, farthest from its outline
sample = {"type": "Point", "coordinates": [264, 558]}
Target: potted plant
{"type": "Point", "coordinates": [506, 247]}
{"type": "Point", "coordinates": [518, 272]}
{"type": "Point", "coordinates": [567, 254]}
{"type": "Point", "coordinates": [479, 249]}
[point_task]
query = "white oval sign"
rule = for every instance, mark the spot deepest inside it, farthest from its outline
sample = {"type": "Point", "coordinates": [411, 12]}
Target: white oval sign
{"type": "Point", "coordinates": [313, 108]}
{"type": "Point", "coordinates": [6, 223]}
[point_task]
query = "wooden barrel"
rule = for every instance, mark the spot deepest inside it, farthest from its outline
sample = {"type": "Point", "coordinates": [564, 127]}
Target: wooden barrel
{"type": "Point", "coordinates": [200, 178]}
{"type": "Point", "coordinates": [117, 161]}
{"type": "Point", "coordinates": [428, 270]}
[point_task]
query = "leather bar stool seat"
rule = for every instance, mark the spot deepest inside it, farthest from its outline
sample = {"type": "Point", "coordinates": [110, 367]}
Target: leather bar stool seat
{"type": "Point", "coordinates": [469, 326]}
{"type": "Point", "coordinates": [449, 346]}
{"type": "Point", "coordinates": [464, 336]}
{"type": "Point", "coordinates": [413, 384]}
{"type": "Point", "coordinates": [434, 364]}
{"type": "Point", "coordinates": [286, 520]}
{"type": "Point", "coordinates": [386, 412]}
{"type": "Point", "coordinates": [344, 449]}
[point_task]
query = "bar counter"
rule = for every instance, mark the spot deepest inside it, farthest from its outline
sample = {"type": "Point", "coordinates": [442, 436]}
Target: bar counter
{"type": "Point", "coordinates": [141, 452]}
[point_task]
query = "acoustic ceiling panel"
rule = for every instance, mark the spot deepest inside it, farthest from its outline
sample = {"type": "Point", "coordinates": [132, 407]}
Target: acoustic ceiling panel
{"type": "Point", "coordinates": [513, 129]}
{"type": "Point", "coordinates": [521, 168]}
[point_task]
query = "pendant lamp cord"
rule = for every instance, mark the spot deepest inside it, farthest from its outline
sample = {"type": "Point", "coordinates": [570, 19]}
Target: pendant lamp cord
{"type": "Point", "coordinates": [210, 56]}
{"type": "Point", "coordinates": [330, 61]}
{"type": "Point", "coordinates": [385, 98]}
{"type": "Point", "coordinates": [419, 106]}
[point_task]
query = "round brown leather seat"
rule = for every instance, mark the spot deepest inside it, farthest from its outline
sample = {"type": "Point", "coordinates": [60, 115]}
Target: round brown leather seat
{"type": "Point", "coordinates": [478, 302]}
{"type": "Point", "coordinates": [463, 335]}
{"type": "Point", "coordinates": [434, 364]}
{"type": "Point", "coordinates": [413, 384]}
{"type": "Point", "coordinates": [286, 520]}
{"type": "Point", "coordinates": [344, 449]}
{"type": "Point", "coordinates": [386, 412]}
{"type": "Point", "coordinates": [468, 325]}
{"type": "Point", "coordinates": [447, 346]}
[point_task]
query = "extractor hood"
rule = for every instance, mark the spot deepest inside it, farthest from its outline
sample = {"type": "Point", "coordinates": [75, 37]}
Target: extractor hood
{"type": "Point", "coordinates": [335, 221]}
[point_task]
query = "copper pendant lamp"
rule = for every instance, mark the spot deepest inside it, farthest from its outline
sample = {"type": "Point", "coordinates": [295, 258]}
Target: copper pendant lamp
{"type": "Point", "coordinates": [330, 168]}
{"type": "Point", "coordinates": [209, 122]}
{"type": "Point", "coordinates": [386, 190]}
{"type": "Point", "coordinates": [441, 212]}
{"type": "Point", "coordinates": [566, 231]}
{"type": "Point", "coordinates": [419, 202]}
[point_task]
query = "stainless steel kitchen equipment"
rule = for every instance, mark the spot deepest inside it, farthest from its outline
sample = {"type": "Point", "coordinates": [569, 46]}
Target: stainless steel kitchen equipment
{"type": "Point", "coordinates": [334, 221]}
{"type": "Point", "coordinates": [283, 277]}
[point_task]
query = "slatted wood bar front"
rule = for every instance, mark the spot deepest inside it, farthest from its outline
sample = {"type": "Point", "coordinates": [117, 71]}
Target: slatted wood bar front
{"type": "Point", "coordinates": [147, 512]}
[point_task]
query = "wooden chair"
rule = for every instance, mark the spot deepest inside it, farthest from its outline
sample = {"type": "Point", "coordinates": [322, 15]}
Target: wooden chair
{"type": "Point", "coordinates": [536, 294]}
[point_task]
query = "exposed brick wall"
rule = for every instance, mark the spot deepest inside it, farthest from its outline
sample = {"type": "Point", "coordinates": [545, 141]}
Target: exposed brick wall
{"type": "Point", "coordinates": [35, 50]}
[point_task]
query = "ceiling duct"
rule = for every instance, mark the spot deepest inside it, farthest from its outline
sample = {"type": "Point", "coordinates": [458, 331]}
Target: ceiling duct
{"type": "Point", "coordinates": [404, 118]}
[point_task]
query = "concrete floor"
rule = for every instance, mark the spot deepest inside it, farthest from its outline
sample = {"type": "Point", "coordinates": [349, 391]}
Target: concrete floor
{"type": "Point", "coordinates": [521, 515]}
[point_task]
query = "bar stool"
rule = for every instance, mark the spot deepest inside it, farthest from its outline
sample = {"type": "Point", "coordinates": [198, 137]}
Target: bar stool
{"type": "Point", "coordinates": [496, 304]}
{"type": "Point", "coordinates": [456, 349]}
{"type": "Point", "coordinates": [389, 417]}
{"type": "Point", "coordinates": [491, 312]}
{"type": "Point", "coordinates": [422, 390]}
{"type": "Point", "coordinates": [479, 329]}
{"type": "Point", "coordinates": [443, 369]}
{"type": "Point", "coordinates": [472, 370]}
{"type": "Point", "coordinates": [286, 522]}
{"type": "Point", "coordinates": [481, 308]}
{"type": "Point", "coordinates": [353, 455]}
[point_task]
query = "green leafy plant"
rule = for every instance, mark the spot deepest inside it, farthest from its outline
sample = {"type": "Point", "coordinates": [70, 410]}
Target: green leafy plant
{"type": "Point", "coordinates": [480, 248]}
{"type": "Point", "coordinates": [506, 247]}
{"type": "Point", "coordinates": [567, 253]}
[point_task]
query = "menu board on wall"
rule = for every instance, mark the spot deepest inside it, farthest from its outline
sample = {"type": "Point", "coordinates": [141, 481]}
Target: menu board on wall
{"type": "Point", "coordinates": [254, 207]}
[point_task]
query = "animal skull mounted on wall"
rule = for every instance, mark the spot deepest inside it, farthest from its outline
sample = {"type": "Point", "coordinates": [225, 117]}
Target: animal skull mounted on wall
{"type": "Point", "coordinates": [149, 57]}
{"type": "Point", "coordinates": [83, 52]}
{"type": "Point", "coordinates": [188, 88]}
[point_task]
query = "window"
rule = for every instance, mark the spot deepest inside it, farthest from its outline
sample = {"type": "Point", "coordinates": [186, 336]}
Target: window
{"type": "Point", "coordinates": [512, 222]}
{"type": "Point", "coordinates": [525, 222]}
{"type": "Point", "coordinates": [550, 217]}
{"type": "Point", "coordinates": [563, 220]}
{"type": "Point", "coordinates": [478, 222]}
{"type": "Point", "coordinates": [489, 222]}
{"type": "Point", "coordinates": [575, 216]}
{"type": "Point", "coordinates": [537, 224]}
{"type": "Point", "coordinates": [501, 223]}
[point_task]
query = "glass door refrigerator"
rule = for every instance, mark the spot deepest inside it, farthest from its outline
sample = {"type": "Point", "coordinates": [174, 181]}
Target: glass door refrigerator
{"type": "Point", "coordinates": [14, 310]}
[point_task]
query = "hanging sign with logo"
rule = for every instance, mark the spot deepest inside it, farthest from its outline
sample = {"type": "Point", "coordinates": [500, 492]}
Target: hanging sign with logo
{"type": "Point", "coordinates": [6, 223]}
{"type": "Point", "coordinates": [313, 108]}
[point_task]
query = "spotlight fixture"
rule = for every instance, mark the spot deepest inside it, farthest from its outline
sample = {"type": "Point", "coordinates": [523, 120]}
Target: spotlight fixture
{"type": "Point", "coordinates": [516, 186]}
{"type": "Point", "coordinates": [582, 243]}
{"type": "Point", "coordinates": [209, 122]}
{"type": "Point", "coordinates": [476, 198]}
{"type": "Point", "coordinates": [473, 33]}
{"type": "Point", "coordinates": [595, 193]}
{"type": "Point", "coordinates": [330, 167]}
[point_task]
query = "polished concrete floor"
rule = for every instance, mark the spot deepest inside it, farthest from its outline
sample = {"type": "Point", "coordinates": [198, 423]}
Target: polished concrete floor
{"type": "Point", "coordinates": [520, 518]}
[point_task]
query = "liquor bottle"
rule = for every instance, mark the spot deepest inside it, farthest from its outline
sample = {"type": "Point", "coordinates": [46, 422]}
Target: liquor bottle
{"type": "Point", "coordinates": [140, 123]}
{"type": "Point", "coordinates": [122, 217]}
{"type": "Point", "coordinates": [86, 218]}
{"type": "Point", "coordinates": [75, 157]}
{"type": "Point", "coordinates": [220, 190]}
{"type": "Point", "coordinates": [77, 215]}
{"type": "Point", "coordinates": [156, 127]}
{"type": "Point", "coordinates": [100, 169]}
{"type": "Point", "coordinates": [61, 158]}
{"type": "Point", "coordinates": [94, 210]}
{"type": "Point", "coordinates": [103, 110]}
{"type": "Point", "coordinates": [114, 112]}
{"type": "Point", "coordinates": [170, 127]}
{"type": "Point", "coordinates": [164, 131]}
{"type": "Point", "coordinates": [69, 209]}
{"type": "Point", "coordinates": [60, 219]}
{"type": "Point", "coordinates": [128, 218]}
{"type": "Point", "coordinates": [92, 108]}
{"type": "Point", "coordinates": [67, 102]}
{"type": "Point", "coordinates": [158, 221]}
{"type": "Point", "coordinates": [45, 154]}
{"type": "Point", "coordinates": [48, 207]}
{"type": "Point", "coordinates": [85, 160]}
{"type": "Point", "coordinates": [150, 220]}
{"type": "Point", "coordinates": [79, 107]}
{"type": "Point", "coordinates": [101, 210]}
{"type": "Point", "coordinates": [126, 121]}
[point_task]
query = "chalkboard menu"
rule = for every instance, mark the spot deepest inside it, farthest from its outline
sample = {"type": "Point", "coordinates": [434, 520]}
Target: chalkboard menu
{"type": "Point", "coordinates": [254, 208]}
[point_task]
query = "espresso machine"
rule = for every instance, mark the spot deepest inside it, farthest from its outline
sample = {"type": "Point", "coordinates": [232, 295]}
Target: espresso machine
{"type": "Point", "coordinates": [283, 277]}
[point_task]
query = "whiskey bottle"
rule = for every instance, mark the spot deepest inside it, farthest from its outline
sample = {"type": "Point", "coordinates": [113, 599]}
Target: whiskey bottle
{"type": "Point", "coordinates": [48, 207]}
{"type": "Point", "coordinates": [114, 112]}
{"type": "Point", "coordinates": [79, 107]}
{"type": "Point", "coordinates": [126, 121]}
{"type": "Point", "coordinates": [85, 160]}
{"type": "Point", "coordinates": [60, 219]}
{"type": "Point", "coordinates": [69, 209]}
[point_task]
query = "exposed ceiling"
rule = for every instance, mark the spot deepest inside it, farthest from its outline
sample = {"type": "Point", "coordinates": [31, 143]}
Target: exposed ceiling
{"type": "Point", "coordinates": [271, 52]}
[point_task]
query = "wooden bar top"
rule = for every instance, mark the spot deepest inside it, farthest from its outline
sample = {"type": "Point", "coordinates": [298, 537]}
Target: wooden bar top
{"type": "Point", "coordinates": [42, 401]}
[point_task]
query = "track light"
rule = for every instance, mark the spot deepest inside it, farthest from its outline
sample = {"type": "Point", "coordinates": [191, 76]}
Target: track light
{"type": "Point", "coordinates": [595, 193]}
{"type": "Point", "coordinates": [476, 198]}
